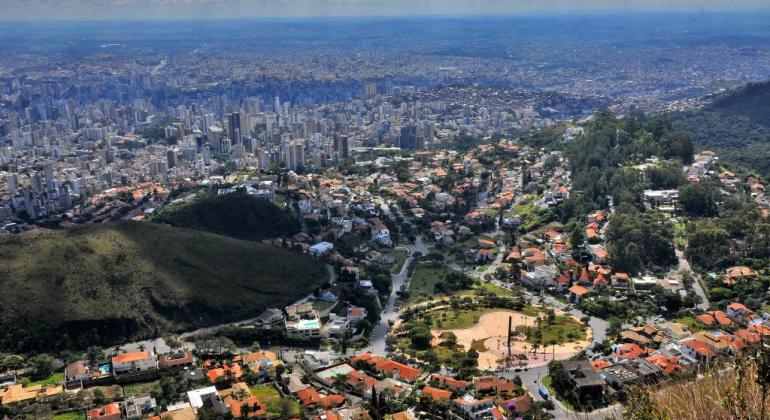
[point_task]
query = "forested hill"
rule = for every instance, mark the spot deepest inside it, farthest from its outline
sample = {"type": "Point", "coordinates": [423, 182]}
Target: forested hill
{"type": "Point", "coordinates": [605, 162]}
{"type": "Point", "coordinates": [237, 215]}
{"type": "Point", "coordinates": [736, 125]}
{"type": "Point", "coordinates": [107, 284]}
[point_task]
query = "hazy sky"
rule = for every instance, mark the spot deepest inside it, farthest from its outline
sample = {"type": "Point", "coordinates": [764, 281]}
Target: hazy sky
{"type": "Point", "coordinates": [196, 9]}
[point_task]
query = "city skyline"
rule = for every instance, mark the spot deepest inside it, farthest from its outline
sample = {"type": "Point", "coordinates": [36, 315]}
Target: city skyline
{"type": "Point", "coordinates": [231, 9]}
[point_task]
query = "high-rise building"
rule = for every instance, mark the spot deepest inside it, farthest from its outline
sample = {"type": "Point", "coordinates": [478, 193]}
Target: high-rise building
{"type": "Point", "coordinates": [408, 139]}
{"type": "Point", "coordinates": [225, 145]}
{"type": "Point", "coordinates": [171, 157]}
{"type": "Point", "coordinates": [294, 155]}
{"type": "Point", "coordinates": [341, 147]}
{"type": "Point", "coordinates": [370, 90]}
{"type": "Point", "coordinates": [234, 127]}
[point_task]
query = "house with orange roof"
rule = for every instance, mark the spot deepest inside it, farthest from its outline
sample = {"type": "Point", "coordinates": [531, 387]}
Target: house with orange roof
{"type": "Point", "coordinates": [698, 350]}
{"type": "Point", "coordinates": [399, 371]}
{"type": "Point", "coordinates": [599, 364]}
{"type": "Point", "coordinates": [108, 412]}
{"type": "Point", "coordinates": [669, 364]}
{"type": "Point", "coordinates": [630, 351]}
{"type": "Point", "coordinates": [132, 363]}
{"type": "Point", "coordinates": [448, 382]}
{"type": "Point", "coordinates": [493, 385]}
{"type": "Point", "coordinates": [739, 312]}
{"type": "Point", "coordinates": [713, 318]}
{"type": "Point", "coordinates": [251, 406]}
{"type": "Point", "coordinates": [577, 292]}
{"type": "Point", "coordinates": [233, 371]}
{"type": "Point", "coordinates": [436, 394]}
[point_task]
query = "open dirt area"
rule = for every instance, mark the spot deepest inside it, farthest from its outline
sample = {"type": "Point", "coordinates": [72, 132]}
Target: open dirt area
{"type": "Point", "coordinates": [492, 331]}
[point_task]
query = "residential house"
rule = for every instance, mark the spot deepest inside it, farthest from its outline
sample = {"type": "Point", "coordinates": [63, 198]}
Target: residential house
{"type": "Point", "coordinates": [493, 385]}
{"type": "Point", "coordinates": [436, 394]}
{"type": "Point", "coordinates": [136, 407]}
{"type": "Point", "coordinates": [473, 408]}
{"type": "Point", "coordinates": [133, 363]}
{"type": "Point", "coordinates": [587, 382]}
{"type": "Point", "coordinates": [108, 412]}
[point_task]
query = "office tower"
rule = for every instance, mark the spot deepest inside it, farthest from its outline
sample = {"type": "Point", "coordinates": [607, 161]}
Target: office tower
{"type": "Point", "coordinates": [341, 147]}
{"type": "Point", "coordinates": [263, 158]}
{"type": "Point", "coordinates": [408, 139]}
{"type": "Point", "coordinates": [294, 155]}
{"type": "Point", "coordinates": [225, 145]}
{"type": "Point", "coordinates": [239, 151]}
{"type": "Point", "coordinates": [171, 157]}
{"type": "Point", "coordinates": [234, 127]}
{"type": "Point", "coordinates": [13, 183]}
{"type": "Point", "coordinates": [206, 155]}
{"type": "Point", "coordinates": [370, 90]}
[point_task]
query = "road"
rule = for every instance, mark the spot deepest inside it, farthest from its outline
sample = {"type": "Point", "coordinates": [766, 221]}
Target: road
{"type": "Point", "coordinates": [389, 313]}
{"type": "Point", "coordinates": [685, 266]}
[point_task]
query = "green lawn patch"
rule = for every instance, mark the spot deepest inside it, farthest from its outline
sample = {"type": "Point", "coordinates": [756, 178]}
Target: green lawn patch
{"type": "Point", "coordinates": [564, 329]}
{"type": "Point", "coordinates": [425, 277]}
{"type": "Point", "coordinates": [493, 289]}
{"type": "Point", "coordinates": [141, 388]}
{"type": "Point", "coordinates": [69, 415]}
{"type": "Point", "coordinates": [272, 400]}
{"type": "Point", "coordinates": [322, 305]}
{"type": "Point", "coordinates": [691, 323]}
{"type": "Point", "coordinates": [55, 378]}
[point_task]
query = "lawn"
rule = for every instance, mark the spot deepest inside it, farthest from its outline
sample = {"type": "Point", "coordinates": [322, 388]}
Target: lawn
{"type": "Point", "coordinates": [425, 277]}
{"type": "Point", "coordinates": [400, 256]}
{"type": "Point", "coordinates": [493, 289]}
{"type": "Point", "coordinates": [272, 400]}
{"type": "Point", "coordinates": [450, 319]}
{"type": "Point", "coordinates": [69, 415]}
{"type": "Point", "coordinates": [55, 378]}
{"type": "Point", "coordinates": [692, 324]}
{"type": "Point", "coordinates": [141, 388]}
{"type": "Point", "coordinates": [322, 305]}
{"type": "Point", "coordinates": [558, 332]}
{"type": "Point", "coordinates": [472, 242]}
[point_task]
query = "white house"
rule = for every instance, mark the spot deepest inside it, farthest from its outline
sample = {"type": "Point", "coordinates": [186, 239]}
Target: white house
{"type": "Point", "coordinates": [320, 249]}
{"type": "Point", "coordinates": [140, 361]}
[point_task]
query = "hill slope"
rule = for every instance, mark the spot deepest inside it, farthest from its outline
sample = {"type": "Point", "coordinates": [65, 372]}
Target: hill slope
{"type": "Point", "coordinates": [237, 215]}
{"type": "Point", "coordinates": [108, 283]}
{"type": "Point", "coordinates": [735, 124]}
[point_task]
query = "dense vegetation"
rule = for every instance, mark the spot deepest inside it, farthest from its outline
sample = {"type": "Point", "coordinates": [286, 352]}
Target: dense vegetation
{"type": "Point", "coordinates": [736, 125]}
{"type": "Point", "coordinates": [238, 215]}
{"type": "Point", "coordinates": [604, 163]}
{"type": "Point", "coordinates": [109, 283]}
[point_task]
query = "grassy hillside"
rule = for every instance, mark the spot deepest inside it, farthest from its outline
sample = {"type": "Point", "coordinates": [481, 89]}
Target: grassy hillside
{"type": "Point", "coordinates": [237, 215]}
{"type": "Point", "coordinates": [735, 124]}
{"type": "Point", "coordinates": [108, 283]}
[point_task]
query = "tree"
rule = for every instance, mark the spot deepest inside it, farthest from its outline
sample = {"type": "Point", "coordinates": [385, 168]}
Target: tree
{"type": "Point", "coordinates": [42, 365]}
{"type": "Point", "coordinates": [13, 362]}
{"type": "Point", "coordinates": [698, 199]}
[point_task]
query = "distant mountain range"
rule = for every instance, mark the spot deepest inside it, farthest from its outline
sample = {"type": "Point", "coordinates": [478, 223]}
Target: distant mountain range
{"type": "Point", "coordinates": [735, 124]}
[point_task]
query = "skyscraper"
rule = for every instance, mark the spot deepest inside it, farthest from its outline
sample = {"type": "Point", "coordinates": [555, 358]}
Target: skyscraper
{"type": "Point", "coordinates": [408, 139]}
{"type": "Point", "coordinates": [234, 127]}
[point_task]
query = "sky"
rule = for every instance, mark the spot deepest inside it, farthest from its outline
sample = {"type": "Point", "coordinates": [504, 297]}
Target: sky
{"type": "Point", "coordinates": [224, 9]}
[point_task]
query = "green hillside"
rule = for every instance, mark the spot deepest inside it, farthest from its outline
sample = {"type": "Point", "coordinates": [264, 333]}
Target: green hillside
{"type": "Point", "coordinates": [736, 125]}
{"type": "Point", "coordinates": [109, 283]}
{"type": "Point", "coordinates": [237, 215]}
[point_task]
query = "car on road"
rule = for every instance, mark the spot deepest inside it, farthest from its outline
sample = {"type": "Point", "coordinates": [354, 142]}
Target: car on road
{"type": "Point", "coordinates": [543, 392]}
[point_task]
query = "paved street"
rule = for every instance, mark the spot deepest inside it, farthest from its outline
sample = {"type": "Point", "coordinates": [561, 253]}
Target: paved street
{"type": "Point", "coordinates": [389, 313]}
{"type": "Point", "coordinates": [684, 265]}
